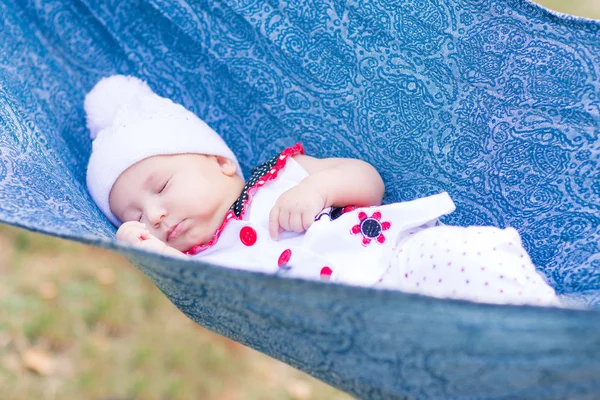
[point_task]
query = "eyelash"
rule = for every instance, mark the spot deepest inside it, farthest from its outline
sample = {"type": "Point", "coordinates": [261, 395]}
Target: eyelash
{"type": "Point", "coordinates": [166, 183]}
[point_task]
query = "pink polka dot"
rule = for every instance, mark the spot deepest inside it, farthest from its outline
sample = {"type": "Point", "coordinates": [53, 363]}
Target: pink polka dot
{"type": "Point", "coordinates": [486, 284]}
{"type": "Point", "coordinates": [483, 268]}
{"type": "Point", "coordinates": [462, 269]}
{"type": "Point", "coordinates": [406, 275]}
{"type": "Point", "coordinates": [440, 281]}
{"type": "Point", "coordinates": [449, 263]}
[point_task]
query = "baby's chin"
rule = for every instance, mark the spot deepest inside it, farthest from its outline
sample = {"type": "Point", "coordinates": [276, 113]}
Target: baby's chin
{"type": "Point", "coordinates": [193, 237]}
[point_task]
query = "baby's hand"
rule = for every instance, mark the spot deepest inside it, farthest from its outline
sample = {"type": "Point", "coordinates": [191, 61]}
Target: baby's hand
{"type": "Point", "coordinates": [295, 210]}
{"type": "Point", "coordinates": [135, 233]}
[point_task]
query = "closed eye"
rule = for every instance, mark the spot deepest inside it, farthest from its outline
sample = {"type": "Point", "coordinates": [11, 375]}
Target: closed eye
{"type": "Point", "coordinates": [165, 185]}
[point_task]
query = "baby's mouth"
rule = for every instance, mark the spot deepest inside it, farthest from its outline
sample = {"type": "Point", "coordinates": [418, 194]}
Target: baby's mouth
{"type": "Point", "coordinates": [174, 231]}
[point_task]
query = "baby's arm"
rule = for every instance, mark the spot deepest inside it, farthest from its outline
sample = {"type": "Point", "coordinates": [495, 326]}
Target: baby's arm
{"type": "Point", "coordinates": [343, 181]}
{"type": "Point", "coordinates": [332, 182]}
{"type": "Point", "coordinates": [134, 232]}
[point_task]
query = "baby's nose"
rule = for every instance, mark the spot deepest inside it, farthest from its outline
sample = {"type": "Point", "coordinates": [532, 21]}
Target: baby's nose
{"type": "Point", "coordinates": [155, 215]}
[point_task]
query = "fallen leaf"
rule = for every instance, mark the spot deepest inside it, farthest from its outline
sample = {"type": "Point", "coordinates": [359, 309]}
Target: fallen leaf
{"type": "Point", "coordinates": [48, 290]}
{"type": "Point", "coordinates": [106, 276]}
{"type": "Point", "coordinates": [299, 390]}
{"type": "Point", "coordinates": [38, 361]}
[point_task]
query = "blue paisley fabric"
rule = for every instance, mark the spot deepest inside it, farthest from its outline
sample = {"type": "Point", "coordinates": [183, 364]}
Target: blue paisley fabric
{"type": "Point", "coordinates": [495, 101]}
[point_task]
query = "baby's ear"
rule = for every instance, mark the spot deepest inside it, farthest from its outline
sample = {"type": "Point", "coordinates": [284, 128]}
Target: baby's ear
{"type": "Point", "coordinates": [227, 166]}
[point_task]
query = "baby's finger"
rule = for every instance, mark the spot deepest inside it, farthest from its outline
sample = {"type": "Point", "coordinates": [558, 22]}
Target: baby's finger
{"type": "Point", "coordinates": [274, 223]}
{"type": "Point", "coordinates": [296, 222]}
{"type": "Point", "coordinates": [284, 220]}
{"type": "Point", "coordinates": [307, 220]}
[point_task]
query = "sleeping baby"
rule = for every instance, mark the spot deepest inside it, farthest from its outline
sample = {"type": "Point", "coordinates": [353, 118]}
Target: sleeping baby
{"type": "Point", "coordinates": [171, 185]}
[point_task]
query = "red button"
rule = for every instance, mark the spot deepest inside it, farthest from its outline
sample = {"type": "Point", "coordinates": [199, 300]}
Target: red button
{"type": "Point", "coordinates": [326, 273]}
{"type": "Point", "coordinates": [284, 257]}
{"type": "Point", "coordinates": [248, 236]}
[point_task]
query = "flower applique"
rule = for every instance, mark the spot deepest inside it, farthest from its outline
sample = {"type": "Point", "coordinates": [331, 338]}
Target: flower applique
{"type": "Point", "coordinates": [371, 228]}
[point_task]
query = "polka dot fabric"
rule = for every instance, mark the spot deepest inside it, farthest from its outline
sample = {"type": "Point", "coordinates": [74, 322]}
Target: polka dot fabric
{"type": "Point", "coordinates": [483, 264]}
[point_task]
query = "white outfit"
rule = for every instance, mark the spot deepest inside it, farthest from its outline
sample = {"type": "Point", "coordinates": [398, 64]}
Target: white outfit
{"type": "Point", "coordinates": [399, 246]}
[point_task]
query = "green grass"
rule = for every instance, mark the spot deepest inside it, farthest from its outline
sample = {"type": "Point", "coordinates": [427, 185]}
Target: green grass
{"type": "Point", "coordinates": [78, 322]}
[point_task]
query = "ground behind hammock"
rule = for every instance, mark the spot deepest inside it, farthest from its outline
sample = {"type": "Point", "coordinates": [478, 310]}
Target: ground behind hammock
{"type": "Point", "coordinates": [78, 322]}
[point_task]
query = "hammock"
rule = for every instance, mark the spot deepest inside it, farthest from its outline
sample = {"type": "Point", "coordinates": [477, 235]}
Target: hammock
{"type": "Point", "coordinates": [495, 101]}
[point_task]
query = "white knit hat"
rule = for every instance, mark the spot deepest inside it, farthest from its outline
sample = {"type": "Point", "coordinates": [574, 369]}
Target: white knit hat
{"type": "Point", "coordinates": [128, 122]}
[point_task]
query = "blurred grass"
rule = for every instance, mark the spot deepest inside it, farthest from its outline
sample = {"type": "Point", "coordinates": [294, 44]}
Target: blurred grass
{"type": "Point", "coordinates": [77, 322]}
{"type": "Point", "coordinates": [582, 8]}
{"type": "Point", "coordinates": [80, 322]}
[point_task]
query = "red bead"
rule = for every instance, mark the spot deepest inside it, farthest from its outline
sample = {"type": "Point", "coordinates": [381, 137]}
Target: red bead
{"type": "Point", "coordinates": [326, 273]}
{"type": "Point", "coordinates": [284, 257]}
{"type": "Point", "coordinates": [248, 236]}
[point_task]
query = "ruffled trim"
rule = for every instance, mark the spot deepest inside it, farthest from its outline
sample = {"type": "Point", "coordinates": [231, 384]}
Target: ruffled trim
{"type": "Point", "coordinates": [239, 208]}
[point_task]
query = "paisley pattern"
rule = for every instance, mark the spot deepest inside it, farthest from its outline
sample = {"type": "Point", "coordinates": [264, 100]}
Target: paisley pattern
{"type": "Point", "coordinates": [495, 101]}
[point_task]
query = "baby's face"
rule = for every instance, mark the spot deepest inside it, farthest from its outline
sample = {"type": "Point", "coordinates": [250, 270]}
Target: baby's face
{"type": "Point", "coordinates": [181, 198]}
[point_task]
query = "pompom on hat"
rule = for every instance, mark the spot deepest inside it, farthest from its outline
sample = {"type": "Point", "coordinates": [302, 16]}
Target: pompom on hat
{"type": "Point", "coordinates": [128, 122]}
